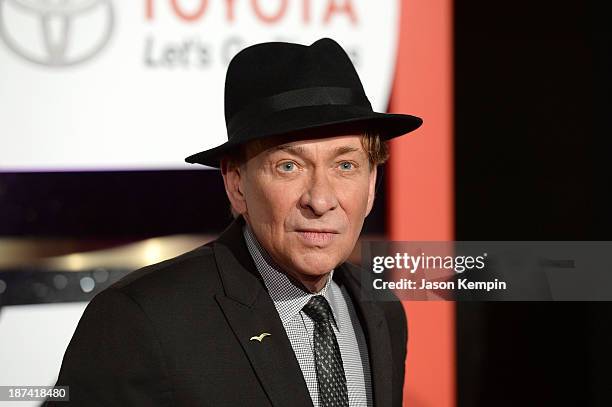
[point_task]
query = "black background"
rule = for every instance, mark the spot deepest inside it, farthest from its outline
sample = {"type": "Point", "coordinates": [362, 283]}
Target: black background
{"type": "Point", "coordinates": [532, 106]}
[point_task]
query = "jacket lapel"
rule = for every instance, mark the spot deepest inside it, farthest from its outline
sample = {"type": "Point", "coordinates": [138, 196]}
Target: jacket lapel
{"type": "Point", "coordinates": [375, 328]}
{"type": "Point", "coordinates": [250, 312]}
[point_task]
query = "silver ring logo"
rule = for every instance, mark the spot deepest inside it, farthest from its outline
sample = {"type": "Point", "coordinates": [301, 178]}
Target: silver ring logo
{"type": "Point", "coordinates": [56, 32]}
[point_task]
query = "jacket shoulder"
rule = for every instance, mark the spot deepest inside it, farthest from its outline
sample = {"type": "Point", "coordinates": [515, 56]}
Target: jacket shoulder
{"type": "Point", "coordinates": [192, 272]}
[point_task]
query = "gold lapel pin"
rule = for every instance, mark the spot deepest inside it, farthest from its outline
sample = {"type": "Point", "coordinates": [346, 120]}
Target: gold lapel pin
{"type": "Point", "coordinates": [260, 336]}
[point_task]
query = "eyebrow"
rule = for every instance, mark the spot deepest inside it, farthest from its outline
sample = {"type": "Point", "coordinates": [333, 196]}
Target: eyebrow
{"type": "Point", "coordinates": [299, 150]}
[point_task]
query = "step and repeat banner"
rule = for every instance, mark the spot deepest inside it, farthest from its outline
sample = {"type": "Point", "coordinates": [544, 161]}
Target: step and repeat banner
{"type": "Point", "coordinates": [138, 84]}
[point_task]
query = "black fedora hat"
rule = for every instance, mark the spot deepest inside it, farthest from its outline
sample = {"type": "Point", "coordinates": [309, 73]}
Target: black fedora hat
{"type": "Point", "coordinates": [279, 88]}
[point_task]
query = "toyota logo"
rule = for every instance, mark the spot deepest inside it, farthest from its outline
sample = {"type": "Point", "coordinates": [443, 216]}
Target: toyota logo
{"type": "Point", "coordinates": [56, 32]}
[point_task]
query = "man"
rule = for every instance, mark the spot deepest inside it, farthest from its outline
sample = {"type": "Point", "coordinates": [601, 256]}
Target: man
{"type": "Point", "coordinates": [269, 314]}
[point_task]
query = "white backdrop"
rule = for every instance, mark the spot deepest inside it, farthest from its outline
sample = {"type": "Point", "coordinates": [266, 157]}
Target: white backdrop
{"type": "Point", "coordinates": [33, 339]}
{"type": "Point", "coordinates": [138, 84]}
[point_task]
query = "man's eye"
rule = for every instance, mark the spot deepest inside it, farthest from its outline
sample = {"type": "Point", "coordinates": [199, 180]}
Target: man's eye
{"type": "Point", "coordinates": [287, 166]}
{"type": "Point", "coordinates": [346, 166]}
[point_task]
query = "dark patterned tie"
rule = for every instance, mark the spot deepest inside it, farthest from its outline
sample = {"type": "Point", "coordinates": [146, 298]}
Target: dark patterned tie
{"type": "Point", "coordinates": [328, 360]}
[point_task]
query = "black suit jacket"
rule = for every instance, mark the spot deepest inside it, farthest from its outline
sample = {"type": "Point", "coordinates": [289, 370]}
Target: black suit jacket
{"type": "Point", "coordinates": [177, 333]}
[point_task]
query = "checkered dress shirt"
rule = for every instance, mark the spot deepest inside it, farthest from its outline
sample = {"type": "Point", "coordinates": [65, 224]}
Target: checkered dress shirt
{"type": "Point", "coordinates": [289, 299]}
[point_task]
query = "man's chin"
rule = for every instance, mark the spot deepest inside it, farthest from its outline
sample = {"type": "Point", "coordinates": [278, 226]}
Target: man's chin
{"type": "Point", "coordinates": [316, 268]}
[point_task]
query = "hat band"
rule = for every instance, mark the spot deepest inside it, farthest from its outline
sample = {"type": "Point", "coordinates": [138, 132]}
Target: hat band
{"type": "Point", "coordinates": [306, 97]}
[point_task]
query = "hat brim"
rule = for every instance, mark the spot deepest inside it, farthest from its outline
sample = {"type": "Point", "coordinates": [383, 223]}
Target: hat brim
{"type": "Point", "coordinates": [321, 121]}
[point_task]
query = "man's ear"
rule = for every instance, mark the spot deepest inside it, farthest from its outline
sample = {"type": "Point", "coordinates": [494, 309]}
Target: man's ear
{"type": "Point", "coordinates": [232, 178]}
{"type": "Point", "coordinates": [371, 189]}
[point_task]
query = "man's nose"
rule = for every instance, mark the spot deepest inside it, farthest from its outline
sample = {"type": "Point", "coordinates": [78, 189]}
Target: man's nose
{"type": "Point", "coordinates": [320, 194]}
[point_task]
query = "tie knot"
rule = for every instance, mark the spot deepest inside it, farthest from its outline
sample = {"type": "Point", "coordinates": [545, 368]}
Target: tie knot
{"type": "Point", "coordinates": [318, 309]}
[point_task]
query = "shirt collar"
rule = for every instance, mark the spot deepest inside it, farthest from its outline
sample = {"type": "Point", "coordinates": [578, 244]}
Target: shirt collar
{"type": "Point", "coordinates": [288, 295]}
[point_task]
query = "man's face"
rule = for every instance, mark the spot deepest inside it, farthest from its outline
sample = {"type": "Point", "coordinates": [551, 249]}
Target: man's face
{"type": "Point", "coordinates": [306, 201]}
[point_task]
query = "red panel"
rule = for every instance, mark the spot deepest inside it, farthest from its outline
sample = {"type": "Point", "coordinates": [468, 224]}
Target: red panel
{"type": "Point", "coordinates": [420, 187]}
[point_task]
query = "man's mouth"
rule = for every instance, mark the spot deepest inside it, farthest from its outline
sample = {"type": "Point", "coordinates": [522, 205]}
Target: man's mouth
{"type": "Point", "coordinates": [317, 236]}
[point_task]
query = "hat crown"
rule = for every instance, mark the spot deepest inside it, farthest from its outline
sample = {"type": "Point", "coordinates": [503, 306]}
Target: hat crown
{"type": "Point", "coordinates": [273, 68]}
